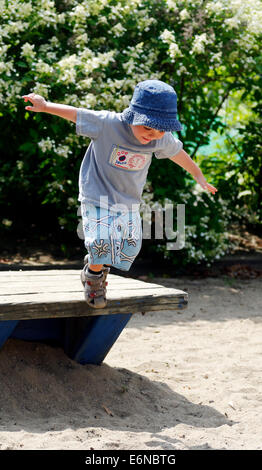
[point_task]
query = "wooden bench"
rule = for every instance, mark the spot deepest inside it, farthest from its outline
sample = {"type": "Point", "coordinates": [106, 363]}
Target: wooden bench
{"type": "Point", "coordinates": [49, 306]}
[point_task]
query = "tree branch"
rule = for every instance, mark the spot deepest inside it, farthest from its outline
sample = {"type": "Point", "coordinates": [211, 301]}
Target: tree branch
{"type": "Point", "coordinates": [234, 145]}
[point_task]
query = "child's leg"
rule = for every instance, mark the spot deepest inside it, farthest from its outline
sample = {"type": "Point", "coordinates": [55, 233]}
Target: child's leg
{"type": "Point", "coordinates": [95, 267]}
{"type": "Point", "coordinates": [131, 240]}
{"type": "Point", "coordinates": [93, 278]}
{"type": "Point", "coordinates": [94, 273]}
{"type": "Point", "coordinates": [111, 240]}
{"type": "Point", "coordinates": [98, 267]}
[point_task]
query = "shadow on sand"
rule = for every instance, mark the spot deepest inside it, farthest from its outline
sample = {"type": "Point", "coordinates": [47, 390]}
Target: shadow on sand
{"type": "Point", "coordinates": [42, 390]}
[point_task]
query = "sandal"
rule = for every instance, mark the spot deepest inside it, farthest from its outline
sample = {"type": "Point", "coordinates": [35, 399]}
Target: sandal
{"type": "Point", "coordinates": [95, 287]}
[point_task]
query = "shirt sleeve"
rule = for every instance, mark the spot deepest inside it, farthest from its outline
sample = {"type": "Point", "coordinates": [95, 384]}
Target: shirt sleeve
{"type": "Point", "coordinates": [170, 146]}
{"type": "Point", "coordinates": [89, 123]}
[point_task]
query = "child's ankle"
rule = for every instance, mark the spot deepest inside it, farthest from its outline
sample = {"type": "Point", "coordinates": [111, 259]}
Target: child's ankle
{"type": "Point", "coordinates": [95, 269]}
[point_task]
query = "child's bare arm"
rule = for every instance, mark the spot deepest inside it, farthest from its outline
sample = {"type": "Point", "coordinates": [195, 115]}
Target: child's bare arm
{"type": "Point", "coordinates": [186, 162]}
{"type": "Point", "coordinates": [40, 105]}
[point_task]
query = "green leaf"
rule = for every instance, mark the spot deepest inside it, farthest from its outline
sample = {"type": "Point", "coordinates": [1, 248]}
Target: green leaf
{"type": "Point", "coordinates": [22, 64]}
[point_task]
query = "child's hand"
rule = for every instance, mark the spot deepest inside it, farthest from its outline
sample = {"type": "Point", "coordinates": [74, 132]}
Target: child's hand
{"type": "Point", "coordinates": [204, 184]}
{"type": "Point", "coordinates": [38, 102]}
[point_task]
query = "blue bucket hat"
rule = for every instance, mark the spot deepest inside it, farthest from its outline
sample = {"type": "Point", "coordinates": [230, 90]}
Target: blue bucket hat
{"type": "Point", "coordinates": [154, 104]}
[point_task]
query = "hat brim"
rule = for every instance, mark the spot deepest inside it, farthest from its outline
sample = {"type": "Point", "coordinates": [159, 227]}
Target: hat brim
{"type": "Point", "coordinates": [159, 123]}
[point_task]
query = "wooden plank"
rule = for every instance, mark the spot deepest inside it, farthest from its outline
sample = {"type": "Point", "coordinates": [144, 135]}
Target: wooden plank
{"type": "Point", "coordinates": [59, 275]}
{"type": "Point", "coordinates": [21, 289]}
{"type": "Point", "coordinates": [115, 299]}
{"type": "Point", "coordinates": [26, 296]}
{"type": "Point", "coordinates": [58, 285]}
{"type": "Point", "coordinates": [61, 279]}
{"type": "Point", "coordinates": [55, 293]}
{"type": "Point", "coordinates": [80, 308]}
{"type": "Point", "coordinates": [21, 297]}
{"type": "Point", "coordinates": [23, 284]}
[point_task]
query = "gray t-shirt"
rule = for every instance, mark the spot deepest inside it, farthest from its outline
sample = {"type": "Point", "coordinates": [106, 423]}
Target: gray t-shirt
{"type": "Point", "coordinates": [115, 166]}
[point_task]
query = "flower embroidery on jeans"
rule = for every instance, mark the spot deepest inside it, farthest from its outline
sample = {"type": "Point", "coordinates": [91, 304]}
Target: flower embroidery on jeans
{"type": "Point", "coordinates": [101, 248]}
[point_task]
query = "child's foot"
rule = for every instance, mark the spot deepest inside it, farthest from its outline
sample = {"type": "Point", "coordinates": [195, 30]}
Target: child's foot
{"type": "Point", "coordinates": [95, 287]}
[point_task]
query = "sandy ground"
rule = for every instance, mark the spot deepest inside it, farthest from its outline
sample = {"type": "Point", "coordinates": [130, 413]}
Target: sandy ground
{"type": "Point", "coordinates": [171, 381]}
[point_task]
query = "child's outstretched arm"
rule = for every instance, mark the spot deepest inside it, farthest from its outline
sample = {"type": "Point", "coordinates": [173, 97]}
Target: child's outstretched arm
{"type": "Point", "coordinates": [184, 160]}
{"type": "Point", "coordinates": [40, 105]}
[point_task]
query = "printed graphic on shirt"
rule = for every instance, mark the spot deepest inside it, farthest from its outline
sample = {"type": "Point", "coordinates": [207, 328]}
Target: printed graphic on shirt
{"type": "Point", "coordinates": [128, 160]}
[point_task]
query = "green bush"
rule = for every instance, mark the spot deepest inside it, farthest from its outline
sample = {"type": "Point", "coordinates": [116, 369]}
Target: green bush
{"type": "Point", "coordinates": [91, 53]}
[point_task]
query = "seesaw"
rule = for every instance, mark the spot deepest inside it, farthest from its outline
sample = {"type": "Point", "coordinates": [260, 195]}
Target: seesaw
{"type": "Point", "coordinates": [49, 306]}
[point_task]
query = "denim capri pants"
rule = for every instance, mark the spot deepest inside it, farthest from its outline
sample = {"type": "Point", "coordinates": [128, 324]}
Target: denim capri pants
{"type": "Point", "coordinates": [113, 238]}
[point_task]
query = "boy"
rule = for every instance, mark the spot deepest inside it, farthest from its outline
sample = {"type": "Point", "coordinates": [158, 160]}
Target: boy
{"type": "Point", "coordinates": [113, 173]}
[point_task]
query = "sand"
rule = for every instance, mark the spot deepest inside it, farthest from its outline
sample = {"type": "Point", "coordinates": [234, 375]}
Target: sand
{"type": "Point", "coordinates": [171, 381]}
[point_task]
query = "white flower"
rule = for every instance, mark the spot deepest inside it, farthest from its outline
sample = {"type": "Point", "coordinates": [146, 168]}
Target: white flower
{"type": "Point", "coordinates": [41, 89]}
{"type": "Point", "coordinates": [118, 30]}
{"type": "Point", "coordinates": [6, 67]}
{"type": "Point", "coordinates": [233, 22]}
{"type": "Point", "coordinates": [216, 57]}
{"type": "Point", "coordinates": [102, 19]}
{"type": "Point", "coordinates": [7, 222]}
{"type": "Point", "coordinates": [86, 83]}
{"type": "Point", "coordinates": [3, 49]}
{"type": "Point", "coordinates": [215, 7]}
{"type": "Point", "coordinates": [47, 4]}
{"type": "Point", "coordinates": [199, 43]}
{"type": "Point", "coordinates": [81, 12]}
{"type": "Point", "coordinates": [82, 39]}
{"type": "Point", "coordinates": [67, 67]}
{"type": "Point", "coordinates": [95, 6]}
{"type": "Point", "coordinates": [20, 165]}
{"type": "Point", "coordinates": [28, 51]}
{"type": "Point", "coordinates": [54, 42]}
{"type": "Point", "coordinates": [61, 18]}
{"type": "Point", "coordinates": [46, 144]}
{"type": "Point", "coordinates": [47, 12]}
{"type": "Point", "coordinates": [69, 61]}
{"type": "Point", "coordinates": [125, 100]}
{"type": "Point", "coordinates": [184, 14]}
{"type": "Point", "coordinates": [24, 9]}
{"type": "Point", "coordinates": [71, 201]}
{"type": "Point", "coordinates": [248, 12]}
{"type": "Point", "coordinates": [167, 36]}
{"type": "Point", "coordinates": [171, 4]}
{"type": "Point", "coordinates": [13, 27]}
{"type": "Point", "coordinates": [63, 150]}
{"type": "Point", "coordinates": [181, 70]}
{"type": "Point", "coordinates": [43, 67]}
{"type": "Point", "coordinates": [174, 51]}
{"type": "Point", "coordinates": [88, 101]}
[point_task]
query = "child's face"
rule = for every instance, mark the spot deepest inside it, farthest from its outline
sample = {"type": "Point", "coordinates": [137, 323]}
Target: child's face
{"type": "Point", "coordinates": [145, 134]}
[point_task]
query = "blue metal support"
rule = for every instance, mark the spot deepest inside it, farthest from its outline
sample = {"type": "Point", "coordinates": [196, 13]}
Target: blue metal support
{"type": "Point", "coordinates": [89, 339]}
{"type": "Point", "coordinates": [6, 329]}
